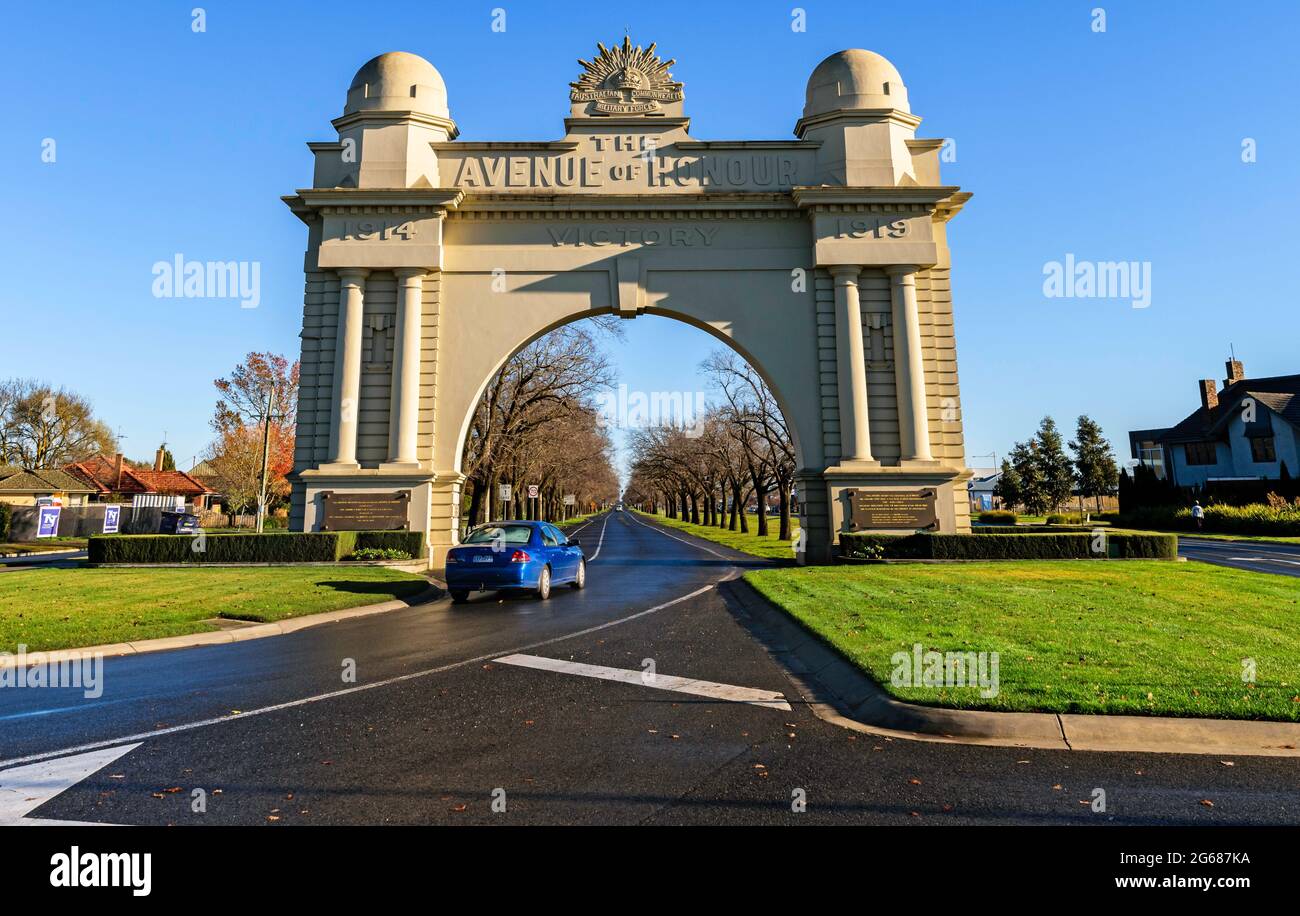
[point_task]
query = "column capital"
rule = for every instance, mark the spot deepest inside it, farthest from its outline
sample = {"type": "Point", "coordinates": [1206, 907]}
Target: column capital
{"type": "Point", "coordinates": [405, 274]}
{"type": "Point", "coordinates": [845, 272]}
{"type": "Point", "coordinates": [903, 271]}
{"type": "Point", "coordinates": [352, 274]}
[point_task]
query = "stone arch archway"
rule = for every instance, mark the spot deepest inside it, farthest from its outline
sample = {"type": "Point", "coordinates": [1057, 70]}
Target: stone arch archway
{"type": "Point", "coordinates": [822, 260]}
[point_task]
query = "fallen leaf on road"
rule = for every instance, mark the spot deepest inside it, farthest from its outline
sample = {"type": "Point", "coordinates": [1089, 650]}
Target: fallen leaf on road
{"type": "Point", "coordinates": [915, 782]}
{"type": "Point", "coordinates": [1228, 763]}
{"type": "Point", "coordinates": [459, 808]}
{"type": "Point", "coordinates": [273, 817]}
{"type": "Point", "coordinates": [1207, 803]}
{"type": "Point", "coordinates": [1057, 787]}
{"type": "Point", "coordinates": [117, 776]}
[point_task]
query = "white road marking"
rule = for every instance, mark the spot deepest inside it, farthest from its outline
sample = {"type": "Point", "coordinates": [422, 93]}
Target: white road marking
{"type": "Point", "coordinates": [216, 720]}
{"type": "Point", "coordinates": [1265, 560]}
{"type": "Point", "coordinates": [25, 788]}
{"type": "Point", "coordinates": [712, 689]}
{"type": "Point", "coordinates": [600, 543]}
{"type": "Point", "coordinates": [676, 538]}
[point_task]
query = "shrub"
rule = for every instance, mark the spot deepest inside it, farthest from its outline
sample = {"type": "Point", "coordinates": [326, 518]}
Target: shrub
{"type": "Point", "coordinates": [1028, 546]}
{"type": "Point", "coordinates": [1280, 519]}
{"type": "Point", "coordinates": [378, 553]}
{"type": "Point", "coordinates": [1062, 518]}
{"type": "Point", "coordinates": [287, 547]}
{"type": "Point", "coordinates": [6, 513]}
{"type": "Point", "coordinates": [998, 517]}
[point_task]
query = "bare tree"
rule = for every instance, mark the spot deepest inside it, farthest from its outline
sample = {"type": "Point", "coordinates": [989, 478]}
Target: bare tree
{"type": "Point", "coordinates": [43, 427]}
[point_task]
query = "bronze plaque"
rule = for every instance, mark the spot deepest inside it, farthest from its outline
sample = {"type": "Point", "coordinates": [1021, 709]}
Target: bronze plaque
{"type": "Point", "coordinates": [365, 511]}
{"type": "Point", "coordinates": [891, 509]}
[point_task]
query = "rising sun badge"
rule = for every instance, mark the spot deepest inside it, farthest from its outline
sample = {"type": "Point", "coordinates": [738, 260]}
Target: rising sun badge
{"type": "Point", "coordinates": [626, 80]}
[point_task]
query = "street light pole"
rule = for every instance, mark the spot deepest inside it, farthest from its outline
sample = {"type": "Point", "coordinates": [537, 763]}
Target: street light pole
{"type": "Point", "coordinates": [266, 456]}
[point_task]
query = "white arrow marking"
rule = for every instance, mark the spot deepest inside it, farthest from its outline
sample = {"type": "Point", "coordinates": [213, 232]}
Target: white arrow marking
{"type": "Point", "coordinates": [712, 689]}
{"type": "Point", "coordinates": [26, 788]}
{"type": "Point", "coordinates": [1266, 560]}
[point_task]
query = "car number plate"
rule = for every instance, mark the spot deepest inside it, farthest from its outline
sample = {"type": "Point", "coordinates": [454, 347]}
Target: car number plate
{"type": "Point", "coordinates": [482, 559]}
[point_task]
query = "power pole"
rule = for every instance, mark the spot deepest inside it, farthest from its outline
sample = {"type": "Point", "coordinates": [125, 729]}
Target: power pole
{"type": "Point", "coordinates": [266, 455]}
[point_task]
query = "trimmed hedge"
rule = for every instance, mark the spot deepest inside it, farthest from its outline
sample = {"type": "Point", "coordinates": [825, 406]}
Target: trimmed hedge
{"type": "Point", "coordinates": [1027, 546]}
{"type": "Point", "coordinates": [291, 547]}
{"type": "Point", "coordinates": [998, 517]}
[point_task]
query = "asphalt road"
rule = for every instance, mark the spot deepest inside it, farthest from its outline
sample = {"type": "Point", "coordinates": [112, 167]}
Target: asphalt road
{"type": "Point", "coordinates": [1256, 556]}
{"type": "Point", "coordinates": [435, 728]}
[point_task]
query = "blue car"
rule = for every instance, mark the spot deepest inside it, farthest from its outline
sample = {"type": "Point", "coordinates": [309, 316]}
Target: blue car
{"type": "Point", "coordinates": [515, 555]}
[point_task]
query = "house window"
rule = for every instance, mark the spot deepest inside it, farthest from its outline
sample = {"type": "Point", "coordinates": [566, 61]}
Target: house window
{"type": "Point", "coordinates": [1262, 451]}
{"type": "Point", "coordinates": [1201, 453]}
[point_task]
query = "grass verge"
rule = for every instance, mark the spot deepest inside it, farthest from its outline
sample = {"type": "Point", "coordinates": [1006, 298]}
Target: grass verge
{"type": "Point", "coordinates": [770, 547]}
{"type": "Point", "coordinates": [66, 608]}
{"type": "Point", "coordinates": [1137, 637]}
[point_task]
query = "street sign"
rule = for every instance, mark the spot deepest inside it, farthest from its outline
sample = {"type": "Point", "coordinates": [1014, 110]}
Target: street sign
{"type": "Point", "coordinates": [570, 499]}
{"type": "Point", "coordinates": [112, 518]}
{"type": "Point", "coordinates": [533, 490]}
{"type": "Point", "coordinates": [47, 525]}
{"type": "Point", "coordinates": [505, 492]}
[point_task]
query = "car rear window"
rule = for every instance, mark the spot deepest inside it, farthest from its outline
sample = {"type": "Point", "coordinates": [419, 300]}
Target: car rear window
{"type": "Point", "coordinates": [509, 534]}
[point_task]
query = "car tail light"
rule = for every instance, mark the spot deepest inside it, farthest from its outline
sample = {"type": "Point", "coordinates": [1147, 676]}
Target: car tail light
{"type": "Point", "coordinates": [452, 558]}
{"type": "Point", "coordinates": [519, 556]}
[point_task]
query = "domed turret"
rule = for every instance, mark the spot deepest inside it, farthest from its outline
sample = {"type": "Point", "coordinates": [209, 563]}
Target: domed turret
{"type": "Point", "coordinates": [854, 79]}
{"type": "Point", "coordinates": [398, 81]}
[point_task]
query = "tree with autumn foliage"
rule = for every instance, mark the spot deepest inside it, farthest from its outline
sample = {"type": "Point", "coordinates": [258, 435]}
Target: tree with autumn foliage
{"type": "Point", "coordinates": [240, 418]}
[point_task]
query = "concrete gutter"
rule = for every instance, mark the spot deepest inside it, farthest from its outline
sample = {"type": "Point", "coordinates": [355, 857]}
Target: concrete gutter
{"type": "Point", "coordinates": [839, 692]}
{"type": "Point", "coordinates": [233, 631]}
{"type": "Point", "coordinates": [40, 553]}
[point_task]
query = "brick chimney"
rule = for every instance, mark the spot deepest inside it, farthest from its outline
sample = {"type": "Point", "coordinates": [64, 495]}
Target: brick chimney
{"type": "Point", "coordinates": [1209, 393]}
{"type": "Point", "coordinates": [117, 471]}
{"type": "Point", "coordinates": [158, 460]}
{"type": "Point", "coordinates": [1236, 372]}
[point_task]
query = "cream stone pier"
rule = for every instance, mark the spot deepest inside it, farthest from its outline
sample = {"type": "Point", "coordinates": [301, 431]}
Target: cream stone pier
{"type": "Point", "coordinates": [822, 260]}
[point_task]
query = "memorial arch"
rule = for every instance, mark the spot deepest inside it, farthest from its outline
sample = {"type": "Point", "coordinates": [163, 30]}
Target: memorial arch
{"type": "Point", "coordinates": [822, 260]}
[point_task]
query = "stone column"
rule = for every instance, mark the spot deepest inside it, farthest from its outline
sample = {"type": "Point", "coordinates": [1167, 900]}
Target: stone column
{"type": "Point", "coordinates": [855, 432]}
{"type": "Point", "coordinates": [347, 367]}
{"type": "Point", "coordinates": [405, 390]}
{"type": "Point", "coordinates": [909, 366]}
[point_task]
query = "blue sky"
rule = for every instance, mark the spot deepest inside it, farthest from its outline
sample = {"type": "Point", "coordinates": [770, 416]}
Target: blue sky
{"type": "Point", "coordinates": [1122, 145]}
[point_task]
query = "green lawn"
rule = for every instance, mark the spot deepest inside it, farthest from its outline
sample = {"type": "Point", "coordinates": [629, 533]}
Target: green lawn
{"type": "Point", "coordinates": [67, 608]}
{"type": "Point", "coordinates": [770, 547]}
{"type": "Point", "coordinates": [1127, 636]}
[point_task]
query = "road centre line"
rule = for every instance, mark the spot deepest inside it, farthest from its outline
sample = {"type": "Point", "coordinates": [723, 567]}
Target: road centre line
{"type": "Point", "coordinates": [303, 701]}
{"type": "Point", "coordinates": [712, 689]}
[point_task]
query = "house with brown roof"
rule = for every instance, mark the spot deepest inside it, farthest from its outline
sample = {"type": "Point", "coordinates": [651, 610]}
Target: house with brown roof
{"type": "Point", "coordinates": [112, 480]}
{"type": "Point", "coordinates": [25, 486]}
{"type": "Point", "coordinates": [1249, 430]}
